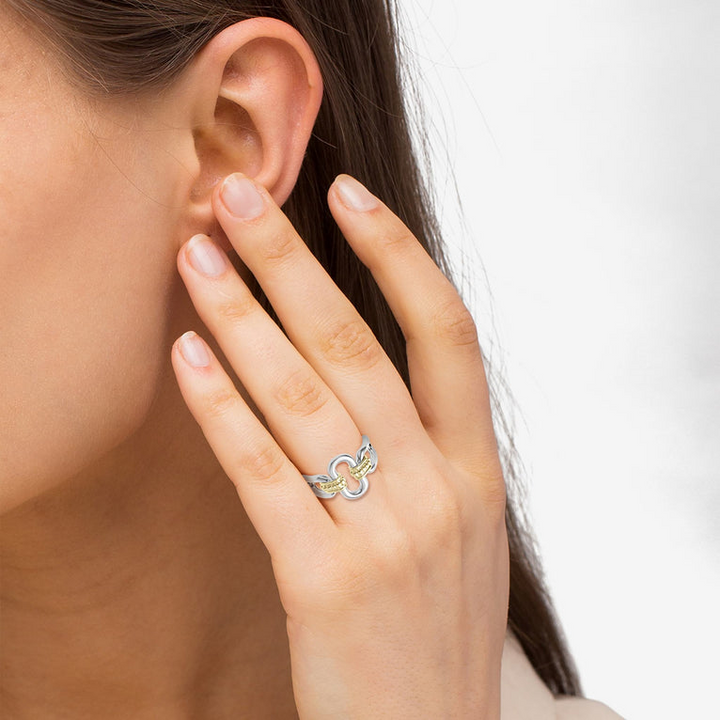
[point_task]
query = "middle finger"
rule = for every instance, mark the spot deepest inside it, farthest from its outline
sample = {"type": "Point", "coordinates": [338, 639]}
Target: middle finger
{"type": "Point", "coordinates": [318, 318]}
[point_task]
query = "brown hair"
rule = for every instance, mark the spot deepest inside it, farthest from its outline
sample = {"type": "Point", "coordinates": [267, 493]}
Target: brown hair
{"type": "Point", "coordinates": [130, 47]}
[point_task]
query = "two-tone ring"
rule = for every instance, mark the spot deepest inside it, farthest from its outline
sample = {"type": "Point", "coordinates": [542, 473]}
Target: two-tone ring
{"type": "Point", "coordinates": [364, 462]}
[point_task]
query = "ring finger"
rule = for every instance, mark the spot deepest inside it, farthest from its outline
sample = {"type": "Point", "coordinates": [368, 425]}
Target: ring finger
{"type": "Point", "coordinates": [301, 411]}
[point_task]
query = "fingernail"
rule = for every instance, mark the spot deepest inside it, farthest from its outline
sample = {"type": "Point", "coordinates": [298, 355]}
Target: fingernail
{"type": "Point", "coordinates": [193, 349]}
{"type": "Point", "coordinates": [205, 256]}
{"type": "Point", "coordinates": [354, 195]}
{"type": "Point", "coordinates": [241, 197]}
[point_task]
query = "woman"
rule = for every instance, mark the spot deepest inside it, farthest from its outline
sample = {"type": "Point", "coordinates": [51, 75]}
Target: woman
{"type": "Point", "coordinates": [163, 555]}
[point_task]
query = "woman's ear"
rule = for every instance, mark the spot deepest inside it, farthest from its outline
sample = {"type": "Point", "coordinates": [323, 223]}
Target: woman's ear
{"type": "Point", "coordinates": [254, 92]}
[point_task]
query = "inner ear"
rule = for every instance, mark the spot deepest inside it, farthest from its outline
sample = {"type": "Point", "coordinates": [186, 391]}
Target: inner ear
{"type": "Point", "coordinates": [231, 143]}
{"type": "Point", "coordinates": [237, 138]}
{"type": "Point", "coordinates": [235, 125]}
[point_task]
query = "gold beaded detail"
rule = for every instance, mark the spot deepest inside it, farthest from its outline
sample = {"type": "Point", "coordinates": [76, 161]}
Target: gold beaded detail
{"type": "Point", "coordinates": [336, 485]}
{"type": "Point", "coordinates": [339, 483]}
{"type": "Point", "coordinates": [361, 470]}
{"type": "Point", "coordinates": [364, 463]}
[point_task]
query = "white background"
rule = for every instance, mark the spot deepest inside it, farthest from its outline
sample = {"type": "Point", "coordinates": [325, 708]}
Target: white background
{"type": "Point", "coordinates": [583, 135]}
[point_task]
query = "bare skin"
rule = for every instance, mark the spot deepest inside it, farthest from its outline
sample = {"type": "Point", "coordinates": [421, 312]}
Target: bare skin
{"type": "Point", "coordinates": [140, 589]}
{"type": "Point", "coordinates": [133, 583]}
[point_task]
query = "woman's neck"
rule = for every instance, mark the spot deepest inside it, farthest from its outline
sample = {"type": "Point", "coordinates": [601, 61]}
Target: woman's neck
{"type": "Point", "coordinates": [140, 589]}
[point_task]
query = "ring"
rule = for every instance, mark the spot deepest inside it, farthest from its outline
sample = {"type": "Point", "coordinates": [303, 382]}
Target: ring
{"type": "Point", "coordinates": [360, 466]}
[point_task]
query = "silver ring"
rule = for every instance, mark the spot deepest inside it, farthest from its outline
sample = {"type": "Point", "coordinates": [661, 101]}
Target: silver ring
{"type": "Point", "coordinates": [334, 483]}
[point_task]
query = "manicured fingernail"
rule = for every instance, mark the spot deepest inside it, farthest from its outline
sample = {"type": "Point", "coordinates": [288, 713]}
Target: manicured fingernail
{"type": "Point", "coordinates": [241, 197]}
{"type": "Point", "coordinates": [193, 349]}
{"type": "Point", "coordinates": [205, 256]}
{"type": "Point", "coordinates": [354, 195]}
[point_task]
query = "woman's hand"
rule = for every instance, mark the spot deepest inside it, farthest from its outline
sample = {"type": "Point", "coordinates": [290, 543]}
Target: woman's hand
{"type": "Point", "coordinates": [397, 601]}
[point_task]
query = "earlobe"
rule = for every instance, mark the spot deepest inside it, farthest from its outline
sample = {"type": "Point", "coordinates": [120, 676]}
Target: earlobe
{"type": "Point", "coordinates": [255, 90]}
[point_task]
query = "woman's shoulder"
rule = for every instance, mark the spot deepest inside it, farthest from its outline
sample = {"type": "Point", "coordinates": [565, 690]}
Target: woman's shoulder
{"type": "Point", "coordinates": [524, 696]}
{"type": "Point", "coordinates": [572, 708]}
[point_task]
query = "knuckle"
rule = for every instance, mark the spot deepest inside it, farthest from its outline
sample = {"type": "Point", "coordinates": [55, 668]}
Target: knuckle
{"type": "Point", "coordinates": [495, 494]}
{"type": "Point", "coordinates": [349, 580]}
{"type": "Point", "coordinates": [489, 475]}
{"type": "Point", "coordinates": [396, 238]}
{"type": "Point", "coordinates": [362, 569]}
{"type": "Point", "coordinates": [235, 310]}
{"type": "Point", "coordinates": [489, 490]}
{"type": "Point", "coordinates": [220, 403]}
{"type": "Point", "coordinates": [351, 343]}
{"type": "Point", "coordinates": [263, 464]}
{"type": "Point", "coordinates": [392, 551]}
{"type": "Point", "coordinates": [302, 394]}
{"type": "Point", "coordinates": [278, 247]}
{"type": "Point", "coordinates": [453, 322]}
{"type": "Point", "coordinates": [333, 576]}
{"type": "Point", "coordinates": [334, 589]}
{"type": "Point", "coordinates": [443, 517]}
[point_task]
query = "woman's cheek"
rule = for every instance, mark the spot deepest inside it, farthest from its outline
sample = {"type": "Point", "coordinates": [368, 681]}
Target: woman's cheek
{"type": "Point", "coordinates": [90, 215]}
{"type": "Point", "coordinates": [85, 308]}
